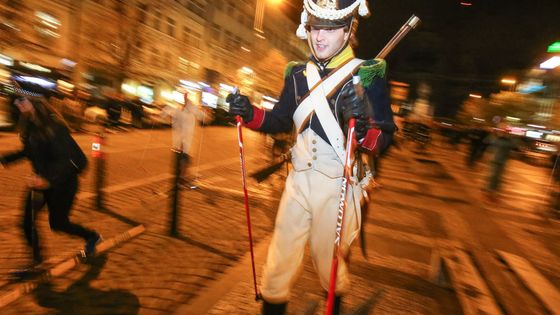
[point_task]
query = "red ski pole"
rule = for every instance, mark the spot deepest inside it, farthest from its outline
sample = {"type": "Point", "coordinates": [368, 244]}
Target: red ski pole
{"type": "Point", "coordinates": [246, 195]}
{"type": "Point", "coordinates": [341, 210]}
{"type": "Point", "coordinates": [412, 22]}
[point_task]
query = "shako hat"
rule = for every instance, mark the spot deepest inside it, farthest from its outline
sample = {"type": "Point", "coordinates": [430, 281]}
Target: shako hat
{"type": "Point", "coordinates": [329, 13]}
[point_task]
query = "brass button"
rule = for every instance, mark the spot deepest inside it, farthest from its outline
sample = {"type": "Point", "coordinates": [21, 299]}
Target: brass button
{"type": "Point", "coordinates": [314, 141]}
{"type": "Point", "coordinates": [314, 157]}
{"type": "Point", "coordinates": [309, 164]}
{"type": "Point", "coordinates": [314, 150]}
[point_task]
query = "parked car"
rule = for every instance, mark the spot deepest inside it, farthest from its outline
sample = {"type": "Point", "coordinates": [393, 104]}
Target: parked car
{"type": "Point", "coordinates": [540, 152]}
{"type": "Point", "coordinates": [450, 129]}
{"type": "Point", "coordinates": [152, 115]}
{"type": "Point", "coordinates": [96, 114]}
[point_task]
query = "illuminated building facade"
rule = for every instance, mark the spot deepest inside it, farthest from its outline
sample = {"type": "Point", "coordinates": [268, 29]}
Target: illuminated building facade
{"type": "Point", "coordinates": [149, 43]}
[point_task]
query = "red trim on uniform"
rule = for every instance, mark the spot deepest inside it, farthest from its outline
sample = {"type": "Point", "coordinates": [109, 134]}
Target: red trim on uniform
{"type": "Point", "coordinates": [371, 139]}
{"type": "Point", "coordinates": [258, 118]}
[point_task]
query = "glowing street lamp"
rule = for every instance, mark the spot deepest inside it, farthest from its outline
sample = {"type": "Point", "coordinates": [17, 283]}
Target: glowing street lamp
{"type": "Point", "coordinates": [508, 81]}
{"type": "Point", "coordinates": [259, 15]}
{"type": "Point", "coordinates": [247, 70]}
{"type": "Point", "coordinates": [475, 95]}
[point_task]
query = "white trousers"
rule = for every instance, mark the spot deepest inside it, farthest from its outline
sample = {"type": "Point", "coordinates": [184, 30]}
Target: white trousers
{"type": "Point", "coordinates": [308, 211]}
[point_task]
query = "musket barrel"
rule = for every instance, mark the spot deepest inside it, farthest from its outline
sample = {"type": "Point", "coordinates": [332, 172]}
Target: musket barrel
{"type": "Point", "coordinates": [412, 22]}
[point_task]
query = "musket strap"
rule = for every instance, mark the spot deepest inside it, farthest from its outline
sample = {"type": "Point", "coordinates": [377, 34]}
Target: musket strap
{"type": "Point", "coordinates": [316, 101]}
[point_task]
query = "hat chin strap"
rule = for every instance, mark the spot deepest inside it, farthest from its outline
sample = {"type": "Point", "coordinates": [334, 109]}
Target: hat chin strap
{"type": "Point", "coordinates": [325, 62]}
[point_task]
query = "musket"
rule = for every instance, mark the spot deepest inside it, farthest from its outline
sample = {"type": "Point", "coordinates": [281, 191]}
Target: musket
{"type": "Point", "coordinates": [412, 23]}
{"type": "Point", "coordinates": [265, 172]}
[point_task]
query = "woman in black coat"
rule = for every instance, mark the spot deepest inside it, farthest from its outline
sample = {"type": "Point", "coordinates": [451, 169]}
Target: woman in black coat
{"type": "Point", "coordinates": [56, 160]}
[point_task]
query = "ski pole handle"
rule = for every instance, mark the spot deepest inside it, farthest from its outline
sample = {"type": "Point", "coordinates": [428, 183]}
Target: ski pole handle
{"type": "Point", "coordinates": [239, 121]}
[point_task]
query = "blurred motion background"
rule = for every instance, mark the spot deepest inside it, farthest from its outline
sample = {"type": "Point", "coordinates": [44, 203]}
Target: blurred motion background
{"type": "Point", "coordinates": [472, 72]}
{"type": "Point", "coordinates": [138, 56]}
{"type": "Point", "coordinates": [470, 66]}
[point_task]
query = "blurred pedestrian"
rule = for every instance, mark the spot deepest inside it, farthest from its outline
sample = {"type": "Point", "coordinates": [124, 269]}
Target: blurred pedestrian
{"type": "Point", "coordinates": [73, 111]}
{"type": "Point", "coordinates": [308, 209]}
{"type": "Point", "coordinates": [501, 144]}
{"type": "Point", "coordinates": [56, 161]}
{"type": "Point", "coordinates": [555, 182]}
{"type": "Point", "coordinates": [479, 142]}
{"type": "Point", "coordinates": [113, 106]}
{"type": "Point", "coordinates": [136, 111]}
{"type": "Point", "coordinates": [183, 123]}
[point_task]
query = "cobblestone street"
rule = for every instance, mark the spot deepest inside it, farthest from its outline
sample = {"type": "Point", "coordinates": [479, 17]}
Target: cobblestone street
{"type": "Point", "coordinates": [427, 206]}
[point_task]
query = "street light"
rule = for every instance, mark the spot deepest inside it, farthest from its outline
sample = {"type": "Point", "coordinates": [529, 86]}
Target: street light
{"type": "Point", "coordinates": [259, 15]}
{"type": "Point", "coordinates": [509, 81]}
{"type": "Point", "coordinates": [247, 70]}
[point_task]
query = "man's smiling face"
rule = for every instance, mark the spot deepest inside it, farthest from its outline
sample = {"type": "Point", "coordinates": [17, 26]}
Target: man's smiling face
{"type": "Point", "coordinates": [327, 41]}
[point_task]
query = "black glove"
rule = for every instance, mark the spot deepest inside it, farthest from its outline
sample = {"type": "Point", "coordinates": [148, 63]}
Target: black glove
{"type": "Point", "coordinates": [354, 106]}
{"type": "Point", "coordinates": [240, 105]}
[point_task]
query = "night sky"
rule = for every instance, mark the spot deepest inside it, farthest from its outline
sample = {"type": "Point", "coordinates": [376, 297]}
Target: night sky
{"type": "Point", "coordinates": [458, 49]}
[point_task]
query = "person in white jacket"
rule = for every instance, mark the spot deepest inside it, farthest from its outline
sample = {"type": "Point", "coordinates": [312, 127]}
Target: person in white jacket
{"type": "Point", "coordinates": [183, 122]}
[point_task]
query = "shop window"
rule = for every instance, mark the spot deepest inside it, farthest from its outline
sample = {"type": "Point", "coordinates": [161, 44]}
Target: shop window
{"type": "Point", "coordinates": [195, 40]}
{"type": "Point", "coordinates": [196, 7]}
{"type": "Point", "coordinates": [142, 12]}
{"type": "Point", "coordinates": [185, 35]}
{"type": "Point", "coordinates": [155, 57]}
{"type": "Point", "coordinates": [166, 60]}
{"type": "Point", "coordinates": [10, 15]}
{"type": "Point", "coordinates": [215, 32]}
{"type": "Point", "coordinates": [157, 20]}
{"type": "Point", "coordinates": [46, 25]}
{"type": "Point", "coordinates": [171, 27]}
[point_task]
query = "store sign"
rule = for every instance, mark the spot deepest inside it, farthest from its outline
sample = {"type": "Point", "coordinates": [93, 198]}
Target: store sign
{"type": "Point", "coordinates": [33, 66]}
{"type": "Point", "coordinates": [209, 99]}
{"type": "Point", "coordinates": [145, 93]}
{"type": "Point", "coordinates": [5, 60]}
{"type": "Point", "coordinates": [554, 48]}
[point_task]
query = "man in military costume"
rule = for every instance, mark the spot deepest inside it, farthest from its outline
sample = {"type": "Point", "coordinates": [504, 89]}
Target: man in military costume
{"type": "Point", "coordinates": [318, 99]}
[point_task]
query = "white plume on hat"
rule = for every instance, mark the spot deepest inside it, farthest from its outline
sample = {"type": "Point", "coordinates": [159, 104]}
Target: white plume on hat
{"type": "Point", "coordinates": [310, 7]}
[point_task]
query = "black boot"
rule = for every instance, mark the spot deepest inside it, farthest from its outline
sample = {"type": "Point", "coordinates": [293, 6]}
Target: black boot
{"type": "Point", "coordinates": [273, 309]}
{"type": "Point", "coordinates": [336, 306]}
